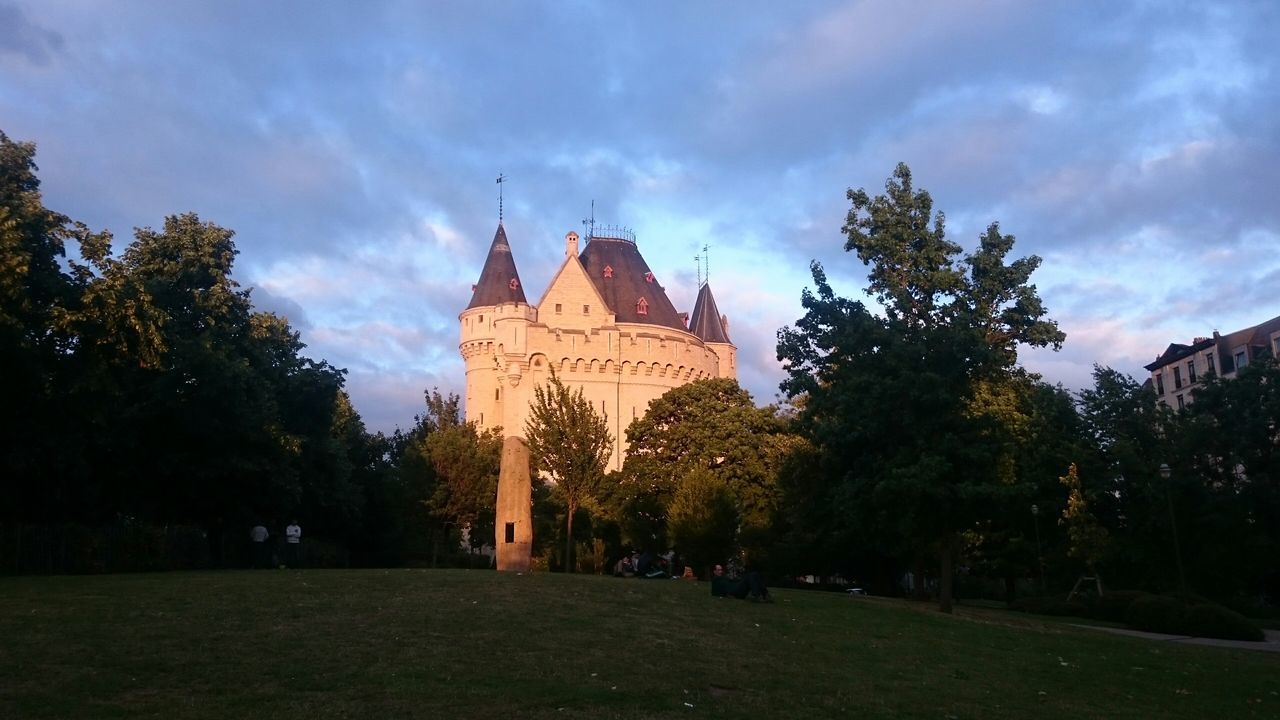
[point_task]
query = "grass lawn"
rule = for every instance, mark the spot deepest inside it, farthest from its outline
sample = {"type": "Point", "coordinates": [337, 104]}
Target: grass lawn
{"type": "Point", "coordinates": [470, 644]}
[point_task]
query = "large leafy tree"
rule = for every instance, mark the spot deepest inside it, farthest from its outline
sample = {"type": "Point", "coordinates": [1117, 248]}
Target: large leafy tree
{"type": "Point", "coordinates": [712, 426]}
{"type": "Point", "coordinates": [906, 405]}
{"type": "Point", "coordinates": [570, 443]}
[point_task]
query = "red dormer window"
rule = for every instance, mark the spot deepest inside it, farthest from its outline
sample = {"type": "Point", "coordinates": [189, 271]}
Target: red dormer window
{"type": "Point", "coordinates": [473, 287]}
{"type": "Point", "coordinates": [608, 271]}
{"type": "Point", "coordinates": [513, 284]}
{"type": "Point", "coordinates": [648, 277]}
{"type": "Point", "coordinates": [642, 307]}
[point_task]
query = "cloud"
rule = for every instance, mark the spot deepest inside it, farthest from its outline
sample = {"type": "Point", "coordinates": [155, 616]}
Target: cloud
{"type": "Point", "coordinates": [22, 38]}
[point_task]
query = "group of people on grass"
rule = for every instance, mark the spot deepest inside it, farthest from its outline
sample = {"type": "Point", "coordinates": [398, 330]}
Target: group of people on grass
{"type": "Point", "coordinates": [646, 565]}
{"type": "Point", "coordinates": [747, 585]}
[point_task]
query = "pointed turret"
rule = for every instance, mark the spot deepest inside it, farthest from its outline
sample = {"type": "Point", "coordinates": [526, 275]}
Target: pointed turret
{"type": "Point", "coordinates": [706, 321]}
{"type": "Point", "coordinates": [499, 281]}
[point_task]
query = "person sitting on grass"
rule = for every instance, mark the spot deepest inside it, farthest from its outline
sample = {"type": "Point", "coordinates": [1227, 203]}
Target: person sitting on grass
{"type": "Point", "coordinates": [750, 585]}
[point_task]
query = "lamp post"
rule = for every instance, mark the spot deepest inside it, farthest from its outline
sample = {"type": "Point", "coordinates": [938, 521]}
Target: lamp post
{"type": "Point", "coordinates": [1165, 474]}
{"type": "Point", "coordinates": [1035, 517]}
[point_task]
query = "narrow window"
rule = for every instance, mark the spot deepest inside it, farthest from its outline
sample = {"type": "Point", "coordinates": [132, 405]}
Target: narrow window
{"type": "Point", "coordinates": [1209, 357]}
{"type": "Point", "coordinates": [586, 309]}
{"type": "Point", "coordinates": [497, 393]}
{"type": "Point", "coordinates": [509, 532]}
{"type": "Point", "coordinates": [642, 307]}
{"type": "Point", "coordinates": [608, 272]}
{"type": "Point", "coordinates": [557, 307]}
{"type": "Point", "coordinates": [1181, 403]}
{"type": "Point", "coordinates": [1177, 378]}
{"type": "Point", "coordinates": [482, 418]}
{"type": "Point", "coordinates": [1191, 371]}
{"type": "Point", "coordinates": [1241, 360]}
{"type": "Point", "coordinates": [1159, 384]}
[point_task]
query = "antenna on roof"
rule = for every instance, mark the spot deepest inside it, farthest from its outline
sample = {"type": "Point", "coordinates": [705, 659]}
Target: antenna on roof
{"type": "Point", "coordinates": [501, 179]}
{"type": "Point", "coordinates": [589, 224]}
{"type": "Point", "coordinates": [697, 260]}
{"type": "Point", "coordinates": [706, 258]}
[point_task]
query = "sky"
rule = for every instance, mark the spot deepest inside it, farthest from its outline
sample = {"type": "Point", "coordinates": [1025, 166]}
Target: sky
{"type": "Point", "coordinates": [354, 147]}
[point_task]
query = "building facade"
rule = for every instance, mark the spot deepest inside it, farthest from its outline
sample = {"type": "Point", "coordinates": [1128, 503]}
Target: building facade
{"type": "Point", "coordinates": [1181, 368]}
{"type": "Point", "coordinates": [604, 323]}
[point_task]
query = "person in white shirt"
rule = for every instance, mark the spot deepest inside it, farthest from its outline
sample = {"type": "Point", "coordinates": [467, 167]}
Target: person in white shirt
{"type": "Point", "coordinates": [293, 545]}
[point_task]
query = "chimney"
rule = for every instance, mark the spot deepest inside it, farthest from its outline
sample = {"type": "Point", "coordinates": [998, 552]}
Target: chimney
{"type": "Point", "coordinates": [571, 244]}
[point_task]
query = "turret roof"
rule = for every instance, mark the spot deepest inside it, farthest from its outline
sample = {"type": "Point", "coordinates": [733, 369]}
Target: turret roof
{"type": "Point", "coordinates": [627, 281]}
{"type": "Point", "coordinates": [706, 322]}
{"type": "Point", "coordinates": [499, 281]}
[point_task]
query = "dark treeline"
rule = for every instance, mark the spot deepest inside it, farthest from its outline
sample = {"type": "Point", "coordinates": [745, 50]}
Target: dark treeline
{"type": "Point", "coordinates": [151, 416]}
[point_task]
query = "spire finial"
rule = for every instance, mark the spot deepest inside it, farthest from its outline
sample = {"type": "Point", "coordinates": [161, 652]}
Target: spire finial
{"type": "Point", "coordinates": [589, 224]}
{"type": "Point", "coordinates": [706, 259]}
{"type": "Point", "coordinates": [501, 179]}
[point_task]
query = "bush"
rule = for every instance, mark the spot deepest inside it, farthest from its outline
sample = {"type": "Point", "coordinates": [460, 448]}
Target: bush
{"type": "Point", "coordinates": [1157, 613]}
{"type": "Point", "coordinates": [1113, 606]}
{"type": "Point", "coordinates": [1215, 621]}
{"type": "Point", "coordinates": [1057, 606]}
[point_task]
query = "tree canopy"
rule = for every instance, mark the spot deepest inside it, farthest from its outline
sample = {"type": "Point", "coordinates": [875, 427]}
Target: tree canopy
{"type": "Point", "coordinates": [911, 410]}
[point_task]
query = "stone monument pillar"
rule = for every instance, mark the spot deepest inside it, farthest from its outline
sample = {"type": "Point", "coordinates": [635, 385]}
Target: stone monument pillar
{"type": "Point", "coordinates": [514, 526]}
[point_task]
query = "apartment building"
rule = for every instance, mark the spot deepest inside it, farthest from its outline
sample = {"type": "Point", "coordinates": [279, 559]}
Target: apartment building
{"type": "Point", "coordinates": [1181, 368]}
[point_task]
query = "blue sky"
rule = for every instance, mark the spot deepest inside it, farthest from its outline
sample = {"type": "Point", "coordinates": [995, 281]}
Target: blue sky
{"type": "Point", "coordinates": [353, 148]}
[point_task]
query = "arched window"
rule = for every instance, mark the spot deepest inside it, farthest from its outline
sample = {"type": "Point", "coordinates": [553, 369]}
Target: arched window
{"type": "Point", "coordinates": [642, 307]}
{"type": "Point", "coordinates": [608, 271]}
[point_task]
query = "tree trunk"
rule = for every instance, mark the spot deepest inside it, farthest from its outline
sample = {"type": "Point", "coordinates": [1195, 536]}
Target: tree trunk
{"type": "Point", "coordinates": [947, 571]}
{"type": "Point", "coordinates": [568, 539]}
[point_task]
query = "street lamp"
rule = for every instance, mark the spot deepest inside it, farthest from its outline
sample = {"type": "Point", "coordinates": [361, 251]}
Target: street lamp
{"type": "Point", "coordinates": [1035, 516]}
{"type": "Point", "coordinates": [1166, 473]}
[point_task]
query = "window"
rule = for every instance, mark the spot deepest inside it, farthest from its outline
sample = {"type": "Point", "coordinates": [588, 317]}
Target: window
{"type": "Point", "coordinates": [497, 393]}
{"type": "Point", "coordinates": [1211, 361]}
{"type": "Point", "coordinates": [1191, 371]}
{"type": "Point", "coordinates": [608, 272]}
{"type": "Point", "coordinates": [642, 307]}
{"type": "Point", "coordinates": [558, 307]}
{"type": "Point", "coordinates": [1177, 378]}
{"type": "Point", "coordinates": [1159, 384]}
{"type": "Point", "coordinates": [1241, 360]}
{"type": "Point", "coordinates": [648, 277]}
{"type": "Point", "coordinates": [509, 532]}
{"type": "Point", "coordinates": [513, 284]}
{"type": "Point", "coordinates": [1181, 402]}
{"type": "Point", "coordinates": [586, 309]}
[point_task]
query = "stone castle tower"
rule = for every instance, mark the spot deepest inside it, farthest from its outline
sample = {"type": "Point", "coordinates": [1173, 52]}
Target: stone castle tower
{"type": "Point", "coordinates": [606, 325]}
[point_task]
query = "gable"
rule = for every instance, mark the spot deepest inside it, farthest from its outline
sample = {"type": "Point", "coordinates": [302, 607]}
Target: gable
{"type": "Point", "coordinates": [571, 300]}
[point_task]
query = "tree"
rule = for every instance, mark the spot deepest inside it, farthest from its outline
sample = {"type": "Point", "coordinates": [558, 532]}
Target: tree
{"type": "Point", "coordinates": [714, 426]}
{"type": "Point", "coordinates": [571, 444]}
{"type": "Point", "coordinates": [905, 406]}
{"type": "Point", "coordinates": [1088, 538]}
{"type": "Point", "coordinates": [704, 518]}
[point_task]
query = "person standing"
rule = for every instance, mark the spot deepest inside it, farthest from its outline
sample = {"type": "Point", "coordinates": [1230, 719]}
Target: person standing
{"type": "Point", "coordinates": [258, 536]}
{"type": "Point", "coordinates": [293, 545]}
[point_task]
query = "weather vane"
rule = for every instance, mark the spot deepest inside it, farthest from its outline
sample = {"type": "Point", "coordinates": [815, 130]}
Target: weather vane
{"type": "Point", "coordinates": [501, 179]}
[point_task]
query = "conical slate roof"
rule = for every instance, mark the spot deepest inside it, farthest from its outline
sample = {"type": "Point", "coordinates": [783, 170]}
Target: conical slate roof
{"type": "Point", "coordinates": [706, 323]}
{"type": "Point", "coordinates": [627, 281]}
{"type": "Point", "coordinates": [499, 282]}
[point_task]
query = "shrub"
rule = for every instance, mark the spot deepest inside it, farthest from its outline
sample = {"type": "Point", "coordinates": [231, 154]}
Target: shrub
{"type": "Point", "coordinates": [1058, 606]}
{"type": "Point", "coordinates": [1114, 605]}
{"type": "Point", "coordinates": [1215, 621]}
{"type": "Point", "coordinates": [1157, 613]}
